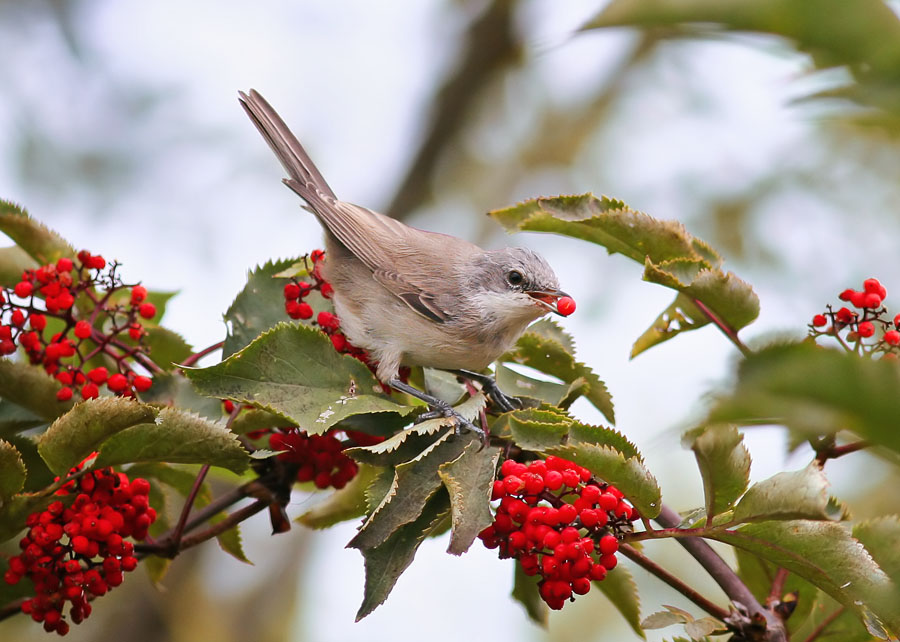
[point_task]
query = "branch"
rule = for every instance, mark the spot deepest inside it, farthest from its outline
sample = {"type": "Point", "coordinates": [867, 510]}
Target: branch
{"type": "Point", "coordinates": [194, 358]}
{"type": "Point", "coordinates": [726, 329]}
{"type": "Point", "coordinates": [649, 565]}
{"type": "Point", "coordinates": [775, 593]}
{"type": "Point", "coordinates": [833, 452]}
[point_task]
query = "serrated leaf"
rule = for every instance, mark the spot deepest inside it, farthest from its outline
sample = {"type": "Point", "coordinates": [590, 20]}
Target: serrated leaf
{"type": "Point", "coordinates": [259, 306]}
{"type": "Point", "coordinates": [724, 464]}
{"type": "Point", "coordinates": [385, 563]}
{"type": "Point", "coordinates": [662, 619]}
{"type": "Point", "coordinates": [31, 388]}
{"type": "Point", "coordinates": [700, 628]}
{"type": "Point", "coordinates": [525, 591]}
{"type": "Point", "coordinates": [12, 471]}
{"type": "Point", "coordinates": [85, 427]}
{"type": "Point", "coordinates": [538, 429]}
{"type": "Point", "coordinates": [230, 540]}
{"type": "Point", "coordinates": [347, 503]}
{"type": "Point", "coordinates": [628, 475]}
{"type": "Point", "coordinates": [620, 589]}
{"type": "Point", "coordinates": [13, 261]}
{"type": "Point", "coordinates": [816, 391]}
{"type": "Point", "coordinates": [251, 419]}
{"type": "Point", "coordinates": [469, 480]}
{"type": "Point", "coordinates": [801, 494]}
{"type": "Point", "coordinates": [167, 348]}
{"type": "Point", "coordinates": [295, 372]}
{"type": "Point", "coordinates": [443, 385]}
{"type": "Point", "coordinates": [175, 437]}
{"type": "Point", "coordinates": [156, 567]}
{"type": "Point", "coordinates": [602, 436]}
{"type": "Point", "coordinates": [732, 300]}
{"type": "Point", "coordinates": [880, 536]}
{"type": "Point", "coordinates": [550, 329]}
{"type": "Point", "coordinates": [415, 482]}
{"type": "Point", "coordinates": [681, 316]}
{"type": "Point", "coordinates": [40, 242]}
{"type": "Point", "coordinates": [15, 419]}
{"type": "Point", "coordinates": [551, 357]}
{"type": "Point", "coordinates": [378, 489]}
{"type": "Point", "coordinates": [609, 223]}
{"type": "Point", "coordinates": [826, 555]}
{"type": "Point", "coordinates": [39, 476]}
{"type": "Point", "coordinates": [173, 390]}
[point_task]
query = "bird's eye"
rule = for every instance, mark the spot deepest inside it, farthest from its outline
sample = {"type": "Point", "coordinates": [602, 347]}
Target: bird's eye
{"type": "Point", "coordinates": [515, 277]}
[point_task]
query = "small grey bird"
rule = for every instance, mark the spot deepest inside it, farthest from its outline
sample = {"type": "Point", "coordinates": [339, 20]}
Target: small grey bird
{"type": "Point", "coordinates": [408, 296]}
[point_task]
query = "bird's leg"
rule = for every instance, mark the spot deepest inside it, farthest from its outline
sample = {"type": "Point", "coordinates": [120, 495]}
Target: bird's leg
{"type": "Point", "coordinates": [440, 408]}
{"type": "Point", "coordinates": [504, 402]}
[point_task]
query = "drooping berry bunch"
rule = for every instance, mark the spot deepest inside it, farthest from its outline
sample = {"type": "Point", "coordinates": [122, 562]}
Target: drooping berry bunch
{"type": "Point", "coordinates": [320, 458]}
{"type": "Point", "coordinates": [296, 308]}
{"type": "Point", "coordinates": [870, 320]}
{"type": "Point", "coordinates": [78, 552]}
{"type": "Point", "coordinates": [74, 316]}
{"type": "Point", "coordinates": [558, 523]}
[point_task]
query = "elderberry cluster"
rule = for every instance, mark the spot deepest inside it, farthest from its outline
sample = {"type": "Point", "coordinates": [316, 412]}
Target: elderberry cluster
{"type": "Point", "coordinates": [78, 552]}
{"type": "Point", "coordinates": [870, 319]}
{"type": "Point", "coordinates": [320, 458]}
{"type": "Point", "coordinates": [74, 315]}
{"type": "Point", "coordinates": [559, 523]}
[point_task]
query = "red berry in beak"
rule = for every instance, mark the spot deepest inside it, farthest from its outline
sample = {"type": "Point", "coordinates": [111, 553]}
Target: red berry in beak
{"type": "Point", "coordinates": [565, 306]}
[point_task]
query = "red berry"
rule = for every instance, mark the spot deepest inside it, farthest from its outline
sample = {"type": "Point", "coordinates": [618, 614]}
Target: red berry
{"type": "Point", "coordinates": [64, 394]}
{"type": "Point", "coordinates": [291, 291]}
{"type": "Point", "coordinates": [138, 294]}
{"type": "Point", "coordinates": [90, 391]}
{"type": "Point", "coordinates": [871, 300]}
{"type": "Point", "coordinates": [96, 262]}
{"type": "Point", "coordinates": [147, 310]}
{"type": "Point", "coordinates": [858, 299]}
{"type": "Point", "coordinates": [339, 342]}
{"type": "Point", "coordinates": [819, 320]}
{"type": "Point", "coordinates": [609, 561]}
{"type": "Point", "coordinates": [64, 265]}
{"type": "Point", "coordinates": [37, 321]}
{"type": "Point", "coordinates": [18, 318]}
{"type": "Point", "coordinates": [567, 514]}
{"type": "Point", "coordinates": [98, 375]}
{"type": "Point", "coordinates": [135, 331]}
{"type": "Point", "coordinates": [589, 517]}
{"type": "Point", "coordinates": [844, 315]}
{"type": "Point", "coordinates": [846, 294]}
{"type": "Point", "coordinates": [608, 544]}
{"type": "Point", "coordinates": [82, 329]}
{"type": "Point", "coordinates": [316, 256]}
{"type": "Point", "coordinates": [142, 383]}
{"type": "Point", "coordinates": [892, 337]}
{"type": "Point", "coordinates": [513, 485]}
{"type": "Point", "coordinates": [866, 329]}
{"type": "Point", "coordinates": [23, 289]}
{"type": "Point", "coordinates": [597, 572]}
{"type": "Point", "coordinates": [327, 290]}
{"type": "Point", "coordinates": [565, 306]}
{"type": "Point", "coordinates": [874, 286]}
{"type": "Point", "coordinates": [327, 320]}
{"type": "Point", "coordinates": [117, 382]}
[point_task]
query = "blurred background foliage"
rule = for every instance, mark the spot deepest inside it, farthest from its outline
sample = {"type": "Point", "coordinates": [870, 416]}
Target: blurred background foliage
{"type": "Point", "coordinates": [769, 127]}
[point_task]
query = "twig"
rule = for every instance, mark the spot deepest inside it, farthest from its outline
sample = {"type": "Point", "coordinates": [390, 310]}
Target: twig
{"type": "Point", "coordinates": [777, 589]}
{"type": "Point", "coordinates": [833, 452]}
{"type": "Point", "coordinates": [194, 358]}
{"type": "Point", "coordinates": [727, 330]}
{"type": "Point", "coordinates": [11, 608]}
{"type": "Point", "coordinates": [175, 539]}
{"type": "Point", "coordinates": [217, 529]}
{"type": "Point", "coordinates": [649, 565]}
{"type": "Point", "coordinates": [825, 624]}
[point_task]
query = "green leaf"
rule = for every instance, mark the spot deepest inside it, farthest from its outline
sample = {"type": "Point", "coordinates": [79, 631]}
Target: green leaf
{"type": "Point", "coordinates": [620, 589]}
{"type": "Point", "coordinates": [386, 562]}
{"type": "Point", "coordinates": [230, 541]}
{"type": "Point", "coordinates": [724, 464]}
{"type": "Point", "coordinates": [259, 306]}
{"type": "Point", "coordinates": [525, 591]}
{"type": "Point", "coordinates": [179, 479]}
{"type": "Point", "coordinates": [176, 437]}
{"type": "Point", "coordinates": [167, 348]}
{"type": "Point", "coordinates": [40, 242]}
{"type": "Point", "coordinates": [700, 628]}
{"type": "Point", "coordinates": [520, 385]}
{"type": "Point", "coordinates": [682, 315]}
{"type": "Point", "coordinates": [551, 357]}
{"type": "Point", "coordinates": [538, 429]}
{"type": "Point", "coordinates": [415, 482]}
{"type": "Point", "coordinates": [12, 471]}
{"type": "Point", "coordinates": [609, 223]}
{"type": "Point", "coordinates": [173, 390]}
{"type": "Point", "coordinates": [826, 555]}
{"type": "Point", "coordinates": [378, 489]}
{"type": "Point", "coordinates": [662, 619]}
{"type": "Point", "coordinates": [347, 503]}
{"type": "Point", "coordinates": [628, 475]}
{"type": "Point", "coordinates": [39, 476]}
{"type": "Point", "coordinates": [15, 419]}
{"type": "Point", "coordinates": [880, 537]}
{"type": "Point", "coordinates": [31, 388]}
{"type": "Point", "coordinates": [443, 385]}
{"type": "Point", "coordinates": [13, 261]}
{"type": "Point", "coordinates": [85, 427]}
{"type": "Point", "coordinates": [295, 372]}
{"type": "Point", "coordinates": [469, 480]}
{"type": "Point", "coordinates": [816, 391]}
{"type": "Point", "coordinates": [16, 510]}
{"type": "Point", "coordinates": [250, 419]}
{"type": "Point", "coordinates": [802, 494]}
{"type": "Point", "coordinates": [602, 436]}
{"type": "Point", "coordinates": [732, 300]}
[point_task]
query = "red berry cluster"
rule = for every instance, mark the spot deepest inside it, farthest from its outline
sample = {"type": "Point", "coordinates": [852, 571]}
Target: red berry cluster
{"type": "Point", "coordinates": [63, 337]}
{"type": "Point", "coordinates": [296, 308]}
{"type": "Point", "coordinates": [567, 543]}
{"type": "Point", "coordinates": [862, 324]}
{"type": "Point", "coordinates": [76, 553]}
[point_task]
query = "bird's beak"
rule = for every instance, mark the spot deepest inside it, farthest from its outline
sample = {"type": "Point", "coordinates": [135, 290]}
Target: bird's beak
{"type": "Point", "coordinates": [548, 298]}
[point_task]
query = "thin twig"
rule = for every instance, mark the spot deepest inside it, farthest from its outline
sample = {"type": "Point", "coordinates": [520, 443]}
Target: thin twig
{"type": "Point", "coordinates": [175, 539]}
{"type": "Point", "coordinates": [727, 330]}
{"type": "Point", "coordinates": [825, 624]}
{"type": "Point", "coordinates": [833, 452]}
{"type": "Point", "coordinates": [194, 358]}
{"type": "Point", "coordinates": [220, 527]}
{"type": "Point", "coordinates": [777, 590]}
{"type": "Point", "coordinates": [649, 565]}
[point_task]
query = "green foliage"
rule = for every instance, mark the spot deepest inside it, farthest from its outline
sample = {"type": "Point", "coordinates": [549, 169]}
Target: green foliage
{"type": "Point", "coordinates": [12, 471]}
{"type": "Point", "coordinates": [724, 464]}
{"type": "Point", "coordinates": [791, 495]}
{"type": "Point", "coordinates": [294, 372]}
{"type": "Point", "coordinates": [525, 592]}
{"type": "Point", "coordinates": [31, 388]}
{"type": "Point", "coordinates": [347, 503]}
{"type": "Point", "coordinates": [816, 391]}
{"type": "Point", "coordinates": [13, 261]}
{"type": "Point", "coordinates": [36, 239]}
{"type": "Point", "coordinates": [620, 589]}
{"type": "Point", "coordinates": [468, 480]}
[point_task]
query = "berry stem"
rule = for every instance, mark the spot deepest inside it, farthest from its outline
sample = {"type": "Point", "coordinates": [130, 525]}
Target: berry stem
{"type": "Point", "coordinates": [652, 567]}
{"type": "Point", "coordinates": [830, 451]}
{"type": "Point", "coordinates": [727, 330]}
{"type": "Point", "coordinates": [220, 527]}
{"type": "Point", "coordinates": [194, 358]}
{"type": "Point", "coordinates": [777, 589]}
{"type": "Point", "coordinates": [175, 539]}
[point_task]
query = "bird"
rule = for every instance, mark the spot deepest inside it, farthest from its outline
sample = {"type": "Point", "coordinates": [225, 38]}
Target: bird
{"type": "Point", "coordinates": [408, 296]}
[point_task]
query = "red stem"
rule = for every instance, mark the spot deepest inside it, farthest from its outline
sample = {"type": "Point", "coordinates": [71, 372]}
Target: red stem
{"type": "Point", "coordinates": [726, 329]}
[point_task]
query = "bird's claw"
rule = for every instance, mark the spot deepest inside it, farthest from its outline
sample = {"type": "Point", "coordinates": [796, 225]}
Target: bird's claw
{"type": "Point", "coordinates": [446, 411]}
